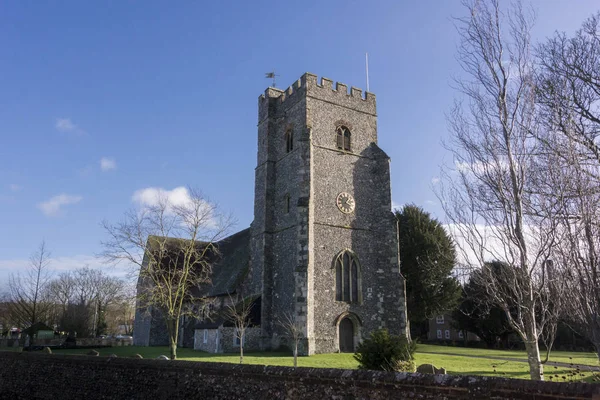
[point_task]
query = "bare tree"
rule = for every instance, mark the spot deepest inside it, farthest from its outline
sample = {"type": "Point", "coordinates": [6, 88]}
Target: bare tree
{"type": "Point", "coordinates": [569, 102]}
{"type": "Point", "coordinates": [293, 331]}
{"type": "Point", "coordinates": [569, 88]}
{"type": "Point", "coordinates": [491, 199]}
{"type": "Point", "coordinates": [81, 298]}
{"type": "Point", "coordinates": [238, 312]}
{"type": "Point", "coordinates": [28, 303]}
{"type": "Point", "coordinates": [5, 318]}
{"type": "Point", "coordinates": [170, 247]}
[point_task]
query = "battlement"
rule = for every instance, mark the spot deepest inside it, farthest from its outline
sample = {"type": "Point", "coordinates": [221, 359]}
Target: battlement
{"type": "Point", "coordinates": [325, 90]}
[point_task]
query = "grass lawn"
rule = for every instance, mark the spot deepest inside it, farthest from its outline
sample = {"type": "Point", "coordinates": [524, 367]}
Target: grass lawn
{"type": "Point", "coordinates": [576, 358]}
{"type": "Point", "coordinates": [454, 364]}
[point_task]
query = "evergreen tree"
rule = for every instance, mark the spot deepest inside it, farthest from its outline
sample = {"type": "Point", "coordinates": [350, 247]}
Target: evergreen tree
{"type": "Point", "coordinates": [427, 257]}
{"type": "Point", "coordinates": [474, 315]}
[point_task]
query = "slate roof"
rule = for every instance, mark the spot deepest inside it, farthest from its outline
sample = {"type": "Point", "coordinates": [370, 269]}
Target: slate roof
{"type": "Point", "coordinates": [231, 266]}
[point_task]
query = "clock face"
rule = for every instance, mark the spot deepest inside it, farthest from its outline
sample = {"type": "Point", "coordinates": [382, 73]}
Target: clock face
{"type": "Point", "coordinates": [345, 202]}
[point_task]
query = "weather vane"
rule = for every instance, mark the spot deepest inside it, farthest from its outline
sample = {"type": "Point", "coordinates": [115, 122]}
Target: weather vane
{"type": "Point", "coordinates": [272, 75]}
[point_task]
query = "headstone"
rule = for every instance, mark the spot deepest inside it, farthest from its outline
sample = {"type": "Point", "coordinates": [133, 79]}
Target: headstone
{"type": "Point", "coordinates": [93, 353]}
{"type": "Point", "coordinates": [162, 357]}
{"type": "Point", "coordinates": [137, 356]}
{"type": "Point", "coordinates": [113, 356]}
{"type": "Point", "coordinates": [47, 350]}
{"type": "Point", "coordinates": [430, 369]}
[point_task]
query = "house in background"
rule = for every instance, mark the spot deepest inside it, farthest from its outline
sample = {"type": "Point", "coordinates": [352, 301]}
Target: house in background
{"type": "Point", "coordinates": [441, 329]}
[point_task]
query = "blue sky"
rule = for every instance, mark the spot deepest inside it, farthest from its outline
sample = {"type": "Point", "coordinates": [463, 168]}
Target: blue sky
{"type": "Point", "coordinates": [99, 100]}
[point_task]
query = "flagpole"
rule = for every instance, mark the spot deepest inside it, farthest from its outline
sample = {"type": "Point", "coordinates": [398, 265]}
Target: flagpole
{"type": "Point", "coordinates": [367, 68]}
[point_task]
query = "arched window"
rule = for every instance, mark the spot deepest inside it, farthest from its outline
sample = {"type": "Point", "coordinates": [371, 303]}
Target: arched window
{"type": "Point", "coordinates": [347, 278]}
{"type": "Point", "coordinates": [343, 136]}
{"type": "Point", "coordinates": [289, 140]}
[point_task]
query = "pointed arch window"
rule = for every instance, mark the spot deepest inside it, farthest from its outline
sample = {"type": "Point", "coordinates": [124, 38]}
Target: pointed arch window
{"type": "Point", "coordinates": [347, 278]}
{"type": "Point", "coordinates": [343, 138]}
{"type": "Point", "coordinates": [289, 140]}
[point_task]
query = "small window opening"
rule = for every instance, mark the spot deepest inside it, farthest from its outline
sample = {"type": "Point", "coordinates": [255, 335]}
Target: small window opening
{"type": "Point", "coordinates": [343, 138]}
{"type": "Point", "coordinates": [287, 203]}
{"type": "Point", "coordinates": [289, 140]}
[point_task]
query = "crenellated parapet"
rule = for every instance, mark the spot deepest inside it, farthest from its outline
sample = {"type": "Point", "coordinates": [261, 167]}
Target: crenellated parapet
{"type": "Point", "coordinates": [277, 100]}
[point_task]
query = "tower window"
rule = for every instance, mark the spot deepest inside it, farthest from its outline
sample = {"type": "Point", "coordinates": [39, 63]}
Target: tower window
{"type": "Point", "coordinates": [343, 137]}
{"type": "Point", "coordinates": [289, 140]}
{"type": "Point", "coordinates": [287, 203]}
{"type": "Point", "coordinates": [347, 278]}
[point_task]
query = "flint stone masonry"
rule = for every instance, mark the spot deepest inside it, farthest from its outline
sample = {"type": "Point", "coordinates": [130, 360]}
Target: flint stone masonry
{"type": "Point", "coordinates": [295, 249]}
{"type": "Point", "coordinates": [52, 376]}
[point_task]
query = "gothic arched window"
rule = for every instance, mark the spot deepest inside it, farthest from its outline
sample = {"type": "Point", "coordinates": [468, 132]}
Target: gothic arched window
{"type": "Point", "coordinates": [289, 140]}
{"type": "Point", "coordinates": [347, 278]}
{"type": "Point", "coordinates": [343, 136]}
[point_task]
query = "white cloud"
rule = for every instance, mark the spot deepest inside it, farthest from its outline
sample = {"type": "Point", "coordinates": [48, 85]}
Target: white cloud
{"type": "Point", "coordinates": [435, 180]}
{"type": "Point", "coordinates": [430, 202]}
{"type": "Point", "coordinates": [106, 164]}
{"type": "Point", "coordinates": [177, 197]}
{"type": "Point", "coordinates": [152, 196]}
{"type": "Point", "coordinates": [65, 125]}
{"type": "Point", "coordinates": [53, 206]}
{"type": "Point", "coordinates": [14, 187]}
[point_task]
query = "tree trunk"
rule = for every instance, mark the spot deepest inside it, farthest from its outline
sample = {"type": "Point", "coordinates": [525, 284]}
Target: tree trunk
{"type": "Point", "coordinates": [173, 348]}
{"type": "Point", "coordinates": [241, 352]}
{"type": "Point", "coordinates": [296, 354]}
{"type": "Point", "coordinates": [597, 347]}
{"type": "Point", "coordinates": [536, 369]}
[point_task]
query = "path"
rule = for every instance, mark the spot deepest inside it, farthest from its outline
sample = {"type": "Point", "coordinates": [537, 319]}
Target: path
{"type": "Point", "coordinates": [551, 363]}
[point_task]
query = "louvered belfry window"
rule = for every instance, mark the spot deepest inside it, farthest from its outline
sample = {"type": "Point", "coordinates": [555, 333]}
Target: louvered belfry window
{"type": "Point", "coordinates": [343, 136]}
{"type": "Point", "coordinates": [347, 277]}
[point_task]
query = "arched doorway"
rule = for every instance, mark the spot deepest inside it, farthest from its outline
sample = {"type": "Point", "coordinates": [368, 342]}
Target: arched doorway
{"type": "Point", "coordinates": [346, 335]}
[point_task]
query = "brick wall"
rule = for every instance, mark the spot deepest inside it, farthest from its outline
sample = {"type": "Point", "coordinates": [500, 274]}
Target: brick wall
{"type": "Point", "coordinates": [52, 376]}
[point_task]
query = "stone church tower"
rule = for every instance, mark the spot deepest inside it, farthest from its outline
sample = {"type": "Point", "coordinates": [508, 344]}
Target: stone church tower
{"type": "Point", "coordinates": [323, 245]}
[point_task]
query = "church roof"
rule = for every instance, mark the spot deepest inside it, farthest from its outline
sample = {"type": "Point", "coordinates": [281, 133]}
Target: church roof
{"type": "Point", "coordinates": [230, 268]}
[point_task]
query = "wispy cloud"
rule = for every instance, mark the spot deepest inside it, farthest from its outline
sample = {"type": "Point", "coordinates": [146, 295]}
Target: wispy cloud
{"type": "Point", "coordinates": [14, 187]}
{"type": "Point", "coordinates": [435, 180]}
{"type": "Point", "coordinates": [65, 125]}
{"type": "Point", "coordinates": [107, 164]}
{"type": "Point", "coordinates": [430, 202]}
{"type": "Point", "coordinates": [53, 206]}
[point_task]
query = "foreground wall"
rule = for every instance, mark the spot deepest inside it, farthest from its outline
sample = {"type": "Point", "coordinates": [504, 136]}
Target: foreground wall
{"type": "Point", "coordinates": [53, 376]}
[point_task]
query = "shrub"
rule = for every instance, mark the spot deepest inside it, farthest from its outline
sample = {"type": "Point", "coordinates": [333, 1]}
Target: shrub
{"type": "Point", "coordinates": [405, 366]}
{"type": "Point", "coordinates": [386, 352]}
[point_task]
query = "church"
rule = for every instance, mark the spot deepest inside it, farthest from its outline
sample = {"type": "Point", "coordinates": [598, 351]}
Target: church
{"type": "Point", "coordinates": [323, 245]}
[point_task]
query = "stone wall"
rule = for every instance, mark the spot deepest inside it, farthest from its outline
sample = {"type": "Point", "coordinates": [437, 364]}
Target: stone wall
{"type": "Point", "coordinates": [58, 342]}
{"type": "Point", "coordinates": [221, 340]}
{"type": "Point", "coordinates": [51, 376]}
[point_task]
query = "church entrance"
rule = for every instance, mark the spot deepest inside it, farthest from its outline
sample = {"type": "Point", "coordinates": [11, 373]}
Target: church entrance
{"type": "Point", "coordinates": [346, 336]}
